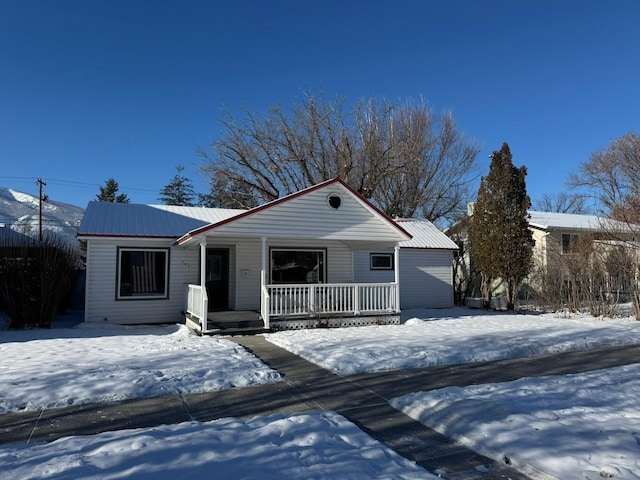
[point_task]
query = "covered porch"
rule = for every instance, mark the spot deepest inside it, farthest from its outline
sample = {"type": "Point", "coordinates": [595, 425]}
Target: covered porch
{"type": "Point", "coordinates": [297, 305]}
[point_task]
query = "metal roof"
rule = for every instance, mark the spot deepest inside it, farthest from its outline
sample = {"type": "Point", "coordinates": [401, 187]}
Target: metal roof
{"type": "Point", "coordinates": [107, 219]}
{"type": "Point", "coordinates": [132, 220]}
{"type": "Point", "coordinates": [425, 235]}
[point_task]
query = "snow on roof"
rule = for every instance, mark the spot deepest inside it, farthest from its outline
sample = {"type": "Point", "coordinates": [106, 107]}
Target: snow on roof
{"type": "Point", "coordinates": [425, 235]}
{"type": "Point", "coordinates": [552, 220]}
{"type": "Point", "coordinates": [134, 220]}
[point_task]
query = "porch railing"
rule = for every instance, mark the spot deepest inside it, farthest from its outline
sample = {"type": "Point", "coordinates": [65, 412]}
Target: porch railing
{"type": "Point", "coordinates": [307, 300]}
{"type": "Point", "coordinates": [334, 298]}
{"type": "Point", "coordinates": [198, 304]}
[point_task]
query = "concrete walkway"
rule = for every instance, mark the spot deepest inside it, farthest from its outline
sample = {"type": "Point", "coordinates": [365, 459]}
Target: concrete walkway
{"type": "Point", "coordinates": [363, 399]}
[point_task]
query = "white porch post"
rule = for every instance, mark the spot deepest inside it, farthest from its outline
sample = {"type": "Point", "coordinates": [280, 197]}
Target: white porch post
{"type": "Point", "coordinates": [396, 259]}
{"type": "Point", "coordinates": [264, 294]}
{"type": "Point", "coordinates": [203, 283]}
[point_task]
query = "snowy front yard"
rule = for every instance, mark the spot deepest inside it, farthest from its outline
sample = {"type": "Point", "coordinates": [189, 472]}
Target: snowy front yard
{"type": "Point", "coordinates": [62, 367]}
{"type": "Point", "coordinates": [453, 336]}
{"type": "Point", "coordinates": [582, 427]}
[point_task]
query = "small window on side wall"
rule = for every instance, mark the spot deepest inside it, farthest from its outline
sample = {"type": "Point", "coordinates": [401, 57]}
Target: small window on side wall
{"type": "Point", "coordinates": [142, 274]}
{"type": "Point", "coordinates": [381, 261]}
{"type": "Point", "coordinates": [569, 242]}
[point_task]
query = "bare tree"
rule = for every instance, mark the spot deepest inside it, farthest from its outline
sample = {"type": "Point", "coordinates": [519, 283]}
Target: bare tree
{"type": "Point", "coordinates": [408, 160]}
{"type": "Point", "coordinates": [593, 275]}
{"type": "Point", "coordinates": [562, 203]}
{"type": "Point", "coordinates": [464, 275]}
{"type": "Point", "coordinates": [612, 175]}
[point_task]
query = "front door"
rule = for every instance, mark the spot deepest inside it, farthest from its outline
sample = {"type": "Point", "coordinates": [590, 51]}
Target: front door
{"type": "Point", "coordinates": [217, 270]}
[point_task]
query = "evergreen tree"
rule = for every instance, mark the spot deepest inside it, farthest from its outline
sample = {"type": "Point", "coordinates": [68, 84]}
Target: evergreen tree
{"type": "Point", "coordinates": [501, 243]}
{"type": "Point", "coordinates": [109, 193]}
{"type": "Point", "coordinates": [179, 191]}
{"type": "Point", "coordinates": [227, 193]}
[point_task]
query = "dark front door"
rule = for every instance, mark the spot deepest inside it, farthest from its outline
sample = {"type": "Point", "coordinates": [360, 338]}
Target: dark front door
{"type": "Point", "coordinates": [218, 279]}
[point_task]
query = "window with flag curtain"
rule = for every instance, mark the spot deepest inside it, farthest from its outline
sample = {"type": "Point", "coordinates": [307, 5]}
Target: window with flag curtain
{"type": "Point", "coordinates": [142, 273]}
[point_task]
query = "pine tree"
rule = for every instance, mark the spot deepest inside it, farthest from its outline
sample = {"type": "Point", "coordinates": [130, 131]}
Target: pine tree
{"type": "Point", "coordinates": [227, 193]}
{"type": "Point", "coordinates": [502, 244]}
{"type": "Point", "coordinates": [109, 193]}
{"type": "Point", "coordinates": [179, 191]}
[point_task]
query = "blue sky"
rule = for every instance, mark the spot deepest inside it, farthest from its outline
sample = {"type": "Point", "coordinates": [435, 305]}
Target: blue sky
{"type": "Point", "coordinates": [130, 89]}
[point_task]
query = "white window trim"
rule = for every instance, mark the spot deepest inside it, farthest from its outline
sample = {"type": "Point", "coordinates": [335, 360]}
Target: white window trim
{"type": "Point", "coordinates": [388, 255]}
{"type": "Point", "coordinates": [127, 298]}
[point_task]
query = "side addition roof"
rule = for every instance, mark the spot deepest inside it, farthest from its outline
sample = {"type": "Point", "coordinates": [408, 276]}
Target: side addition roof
{"type": "Point", "coordinates": [425, 235]}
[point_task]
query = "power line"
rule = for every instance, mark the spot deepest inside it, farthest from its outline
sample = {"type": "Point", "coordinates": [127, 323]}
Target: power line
{"type": "Point", "coordinates": [57, 181]}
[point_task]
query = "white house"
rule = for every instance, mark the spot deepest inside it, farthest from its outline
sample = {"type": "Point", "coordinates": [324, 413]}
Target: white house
{"type": "Point", "coordinates": [298, 261]}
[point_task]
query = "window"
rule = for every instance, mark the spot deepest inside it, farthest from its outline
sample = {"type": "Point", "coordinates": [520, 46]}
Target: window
{"type": "Point", "coordinates": [298, 266]}
{"type": "Point", "coordinates": [568, 242]}
{"type": "Point", "coordinates": [460, 252]}
{"type": "Point", "coordinates": [142, 273]}
{"type": "Point", "coordinates": [381, 261]}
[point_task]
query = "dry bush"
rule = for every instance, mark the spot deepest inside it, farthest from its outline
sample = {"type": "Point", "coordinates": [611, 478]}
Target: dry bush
{"type": "Point", "coordinates": [36, 279]}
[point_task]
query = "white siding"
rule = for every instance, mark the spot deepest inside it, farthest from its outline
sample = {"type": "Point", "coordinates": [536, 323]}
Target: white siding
{"type": "Point", "coordinates": [310, 216]}
{"type": "Point", "coordinates": [426, 277]}
{"type": "Point", "coordinates": [101, 304]}
{"type": "Point", "coordinates": [247, 294]}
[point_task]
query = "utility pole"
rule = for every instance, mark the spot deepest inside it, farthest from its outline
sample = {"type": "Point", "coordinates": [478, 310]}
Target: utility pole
{"type": "Point", "coordinates": [40, 184]}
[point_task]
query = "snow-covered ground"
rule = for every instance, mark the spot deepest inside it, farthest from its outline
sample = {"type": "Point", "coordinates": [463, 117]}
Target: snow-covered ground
{"type": "Point", "coordinates": [453, 336]}
{"type": "Point", "coordinates": [575, 427]}
{"type": "Point", "coordinates": [62, 367]}
{"type": "Point", "coordinates": [316, 445]}
{"type": "Point", "coordinates": [582, 427]}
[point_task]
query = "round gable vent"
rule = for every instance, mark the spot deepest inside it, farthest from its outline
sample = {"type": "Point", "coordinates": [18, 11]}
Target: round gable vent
{"type": "Point", "coordinates": [334, 200]}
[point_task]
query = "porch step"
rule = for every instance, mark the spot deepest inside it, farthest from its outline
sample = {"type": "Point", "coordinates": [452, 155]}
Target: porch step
{"type": "Point", "coordinates": [235, 323]}
{"type": "Point", "coordinates": [236, 331]}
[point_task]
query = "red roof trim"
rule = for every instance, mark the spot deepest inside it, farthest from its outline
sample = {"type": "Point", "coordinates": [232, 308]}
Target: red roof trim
{"type": "Point", "coordinates": [286, 198]}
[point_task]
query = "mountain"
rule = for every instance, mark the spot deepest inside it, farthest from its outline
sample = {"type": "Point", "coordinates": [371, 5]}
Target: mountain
{"type": "Point", "coordinates": [19, 215]}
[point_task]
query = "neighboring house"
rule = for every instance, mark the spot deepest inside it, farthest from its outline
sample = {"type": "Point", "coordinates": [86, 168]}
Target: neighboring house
{"type": "Point", "coordinates": [558, 233]}
{"type": "Point", "coordinates": [556, 236]}
{"type": "Point", "coordinates": [295, 261]}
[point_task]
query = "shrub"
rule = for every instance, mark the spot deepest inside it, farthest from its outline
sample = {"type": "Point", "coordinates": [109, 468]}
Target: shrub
{"type": "Point", "coordinates": [36, 279]}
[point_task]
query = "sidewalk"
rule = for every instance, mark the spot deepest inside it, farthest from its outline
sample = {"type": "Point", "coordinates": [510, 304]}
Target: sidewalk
{"type": "Point", "coordinates": [363, 399]}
